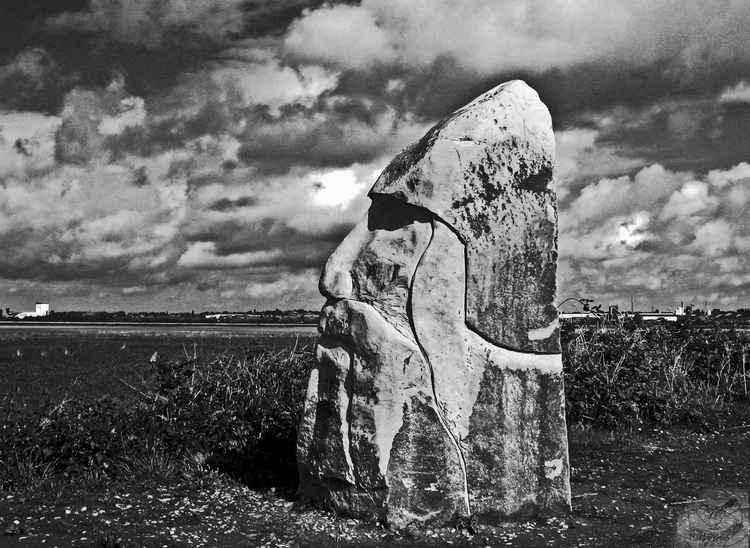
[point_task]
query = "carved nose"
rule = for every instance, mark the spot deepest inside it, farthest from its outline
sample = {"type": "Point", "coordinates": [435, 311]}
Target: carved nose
{"type": "Point", "coordinates": [335, 284]}
{"type": "Point", "coordinates": [336, 280]}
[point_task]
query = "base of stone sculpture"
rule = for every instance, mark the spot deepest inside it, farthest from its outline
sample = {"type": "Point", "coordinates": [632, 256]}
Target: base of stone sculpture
{"type": "Point", "coordinates": [516, 458]}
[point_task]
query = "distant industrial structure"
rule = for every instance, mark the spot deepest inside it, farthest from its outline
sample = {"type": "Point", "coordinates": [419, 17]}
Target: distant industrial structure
{"type": "Point", "coordinates": [614, 313]}
{"type": "Point", "coordinates": [581, 311]}
{"type": "Point", "coordinates": [41, 310]}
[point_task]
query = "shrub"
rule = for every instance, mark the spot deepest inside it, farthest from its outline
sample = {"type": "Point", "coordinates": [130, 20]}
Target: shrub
{"type": "Point", "coordinates": [661, 375]}
{"type": "Point", "coordinates": [182, 416]}
{"type": "Point", "coordinates": [241, 414]}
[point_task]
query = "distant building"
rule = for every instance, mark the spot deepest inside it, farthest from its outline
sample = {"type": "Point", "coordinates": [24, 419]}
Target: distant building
{"type": "Point", "coordinates": [652, 316]}
{"type": "Point", "coordinates": [41, 310]}
{"type": "Point", "coordinates": [579, 315]}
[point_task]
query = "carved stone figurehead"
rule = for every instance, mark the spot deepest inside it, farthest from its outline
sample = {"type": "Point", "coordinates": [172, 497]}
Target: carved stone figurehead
{"type": "Point", "coordinates": [438, 391]}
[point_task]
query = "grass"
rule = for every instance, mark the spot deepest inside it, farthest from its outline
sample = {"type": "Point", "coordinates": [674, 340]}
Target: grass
{"type": "Point", "coordinates": [627, 492]}
{"type": "Point", "coordinates": [181, 419]}
{"type": "Point", "coordinates": [618, 376]}
{"type": "Point", "coordinates": [647, 410]}
{"type": "Point", "coordinates": [240, 415]}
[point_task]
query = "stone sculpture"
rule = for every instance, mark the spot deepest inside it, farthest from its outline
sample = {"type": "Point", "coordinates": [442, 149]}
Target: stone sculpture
{"type": "Point", "coordinates": [438, 391]}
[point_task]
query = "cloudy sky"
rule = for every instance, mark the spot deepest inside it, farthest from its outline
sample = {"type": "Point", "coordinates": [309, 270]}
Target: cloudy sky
{"type": "Point", "coordinates": [209, 154]}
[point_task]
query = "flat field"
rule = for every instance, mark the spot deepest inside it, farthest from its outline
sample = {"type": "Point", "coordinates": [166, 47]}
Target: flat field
{"type": "Point", "coordinates": [89, 360]}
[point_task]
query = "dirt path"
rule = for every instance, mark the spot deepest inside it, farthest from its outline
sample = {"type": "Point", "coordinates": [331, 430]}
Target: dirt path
{"type": "Point", "coordinates": [628, 491]}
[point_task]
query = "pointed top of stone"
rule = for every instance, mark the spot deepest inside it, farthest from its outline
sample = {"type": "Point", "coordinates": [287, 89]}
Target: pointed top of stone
{"type": "Point", "coordinates": [486, 170]}
{"type": "Point", "coordinates": [509, 118]}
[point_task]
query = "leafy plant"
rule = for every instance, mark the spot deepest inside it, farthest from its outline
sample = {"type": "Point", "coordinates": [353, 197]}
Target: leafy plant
{"type": "Point", "coordinates": [182, 418]}
{"type": "Point", "coordinates": [630, 376]}
{"type": "Point", "coordinates": [240, 414]}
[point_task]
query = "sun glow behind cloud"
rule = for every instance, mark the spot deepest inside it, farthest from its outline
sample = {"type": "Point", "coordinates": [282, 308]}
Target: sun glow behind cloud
{"type": "Point", "coordinates": [336, 188]}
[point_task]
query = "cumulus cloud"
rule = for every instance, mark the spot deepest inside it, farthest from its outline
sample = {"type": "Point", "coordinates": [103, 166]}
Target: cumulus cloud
{"type": "Point", "coordinates": [713, 238]}
{"type": "Point", "coordinates": [692, 198]}
{"type": "Point", "coordinates": [285, 286]}
{"type": "Point", "coordinates": [176, 215]}
{"type": "Point", "coordinates": [490, 36]}
{"type": "Point", "coordinates": [27, 142]}
{"type": "Point", "coordinates": [335, 135]}
{"type": "Point", "coordinates": [349, 36]}
{"type": "Point", "coordinates": [245, 77]}
{"type": "Point", "coordinates": [606, 198]}
{"type": "Point", "coordinates": [91, 116]}
{"type": "Point", "coordinates": [236, 152]}
{"type": "Point", "coordinates": [613, 238]}
{"type": "Point", "coordinates": [736, 94]}
{"type": "Point", "coordinates": [89, 218]}
{"type": "Point", "coordinates": [269, 83]}
{"type": "Point", "coordinates": [35, 65]}
{"type": "Point", "coordinates": [283, 212]}
{"type": "Point", "coordinates": [662, 234]}
{"type": "Point", "coordinates": [722, 178]}
{"type": "Point", "coordinates": [580, 157]}
{"type": "Point", "coordinates": [204, 255]}
{"type": "Point", "coordinates": [337, 187]}
{"type": "Point", "coordinates": [280, 116]}
{"type": "Point", "coordinates": [130, 113]}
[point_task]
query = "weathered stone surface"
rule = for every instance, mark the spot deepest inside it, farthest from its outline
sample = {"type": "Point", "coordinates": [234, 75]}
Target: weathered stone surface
{"type": "Point", "coordinates": [486, 170]}
{"type": "Point", "coordinates": [425, 474]}
{"type": "Point", "coordinates": [375, 263]}
{"type": "Point", "coordinates": [438, 391]}
{"type": "Point", "coordinates": [517, 454]}
{"type": "Point", "coordinates": [324, 432]}
{"type": "Point", "coordinates": [396, 461]}
{"type": "Point", "coordinates": [392, 426]}
{"type": "Point", "coordinates": [505, 408]}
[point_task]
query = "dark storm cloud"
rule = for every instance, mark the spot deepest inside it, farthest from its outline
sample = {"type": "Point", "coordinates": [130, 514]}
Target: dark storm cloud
{"type": "Point", "coordinates": [443, 85]}
{"type": "Point", "coordinates": [21, 21]}
{"type": "Point", "coordinates": [151, 117]}
{"type": "Point", "coordinates": [155, 23]}
{"type": "Point", "coordinates": [28, 256]}
{"type": "Point", "coordinates": [225, 204]}
{"type": "Point", "coordinates": [152, 42]}
{"type": "Point", "coordinates": [152, 23]}
{"type": "Point", "coordinates": [297, 249]}
{"type": "Point", "coordinates": [32, 80]}
{"type": "Point", "coordinates": [325, 130]}
{"type": "Point", "coordinates": [697, 135]}
{"type": "Point", "coordinates": [318, 138]}
{"type": "Point", "coordinates": [215, 152]}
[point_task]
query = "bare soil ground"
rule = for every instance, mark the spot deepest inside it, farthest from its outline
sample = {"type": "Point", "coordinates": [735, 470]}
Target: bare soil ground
{"type": "Point", "coordinates": [655, 489]}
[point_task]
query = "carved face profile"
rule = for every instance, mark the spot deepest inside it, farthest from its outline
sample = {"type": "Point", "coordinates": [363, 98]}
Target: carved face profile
{"type": "Point", "coordinates": [439, 325]}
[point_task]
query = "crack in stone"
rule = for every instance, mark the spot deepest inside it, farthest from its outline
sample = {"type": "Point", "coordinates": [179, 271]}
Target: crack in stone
{"type": "Point", "coordinates": [439, 411]}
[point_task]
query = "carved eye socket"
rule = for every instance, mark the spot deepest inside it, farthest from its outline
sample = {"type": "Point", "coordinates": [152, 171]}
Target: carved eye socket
{"type": "Point", "coordinates": [389, 213]}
